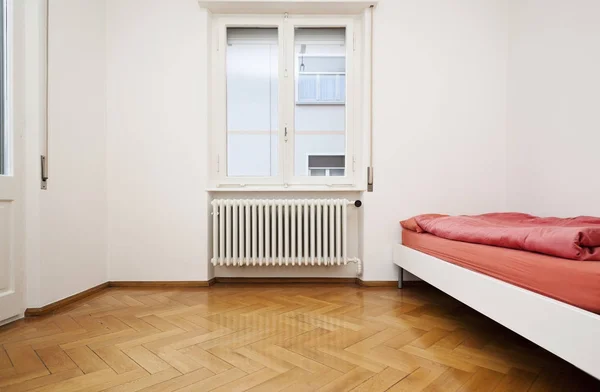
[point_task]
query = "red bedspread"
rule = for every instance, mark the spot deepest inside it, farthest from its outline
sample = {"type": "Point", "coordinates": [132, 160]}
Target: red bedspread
{"type": "Point", "coordinates": [569, 238]}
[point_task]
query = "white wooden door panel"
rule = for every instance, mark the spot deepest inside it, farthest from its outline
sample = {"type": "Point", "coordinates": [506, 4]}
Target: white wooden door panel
{"type": "Point", "coordinates": [11, 169]}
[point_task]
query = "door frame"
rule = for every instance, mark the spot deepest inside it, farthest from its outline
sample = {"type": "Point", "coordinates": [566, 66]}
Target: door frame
{"type": "Point", "coordinates": [12, 299]}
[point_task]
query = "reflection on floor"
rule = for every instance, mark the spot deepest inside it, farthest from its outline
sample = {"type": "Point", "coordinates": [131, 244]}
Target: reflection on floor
{"type": "Point", "coordinates": [275, 338]}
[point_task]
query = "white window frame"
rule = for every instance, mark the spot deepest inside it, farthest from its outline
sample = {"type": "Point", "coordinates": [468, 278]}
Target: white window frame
{"type": "Point", "coordinates": [286, 25]}
{"type": "Point", "coordinates": [219, 94]}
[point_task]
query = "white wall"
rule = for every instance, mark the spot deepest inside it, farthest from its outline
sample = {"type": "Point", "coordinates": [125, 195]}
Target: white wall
{"type": "Point", "coordinates": [440, 128]}
{"type": "Point", "coordinates": [73, 210]}
{"type": "Point", "coordinates": [66, 225]}
{"type": "Point", "coordinates": [554, 103]}
{"type": "Point", "coordinates": [444, 73]}
{"type": "Point", "coordinates": [30, 37]}
{"type": "Point", "coordinates": [157, 140]}
{"type": "Point", "coordinates": [439, 117]}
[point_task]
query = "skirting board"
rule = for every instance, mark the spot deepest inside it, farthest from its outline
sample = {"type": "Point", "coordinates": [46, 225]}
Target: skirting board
{"type": "Point", "coordinates": [389, 283]}
{"type": "Point", "coordinates": [352, 281]}
{"type": "Point", "coordinates": [286, 280]}
{"type": "Point", "coordinates": [158, 284]}
{"type": "Point", "coordinates": [53, 307]}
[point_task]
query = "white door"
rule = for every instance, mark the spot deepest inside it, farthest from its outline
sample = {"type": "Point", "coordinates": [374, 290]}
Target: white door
{"type": "Point", "coordinates": [11, 181]}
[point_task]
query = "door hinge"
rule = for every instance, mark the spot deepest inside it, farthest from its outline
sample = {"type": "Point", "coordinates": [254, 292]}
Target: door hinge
{"type": "Point", "coordinates": [218, 164]}
{"type": "Point", "coordinates": [353, 163]}
{"type": "Point", "coordinates": [353, 42]}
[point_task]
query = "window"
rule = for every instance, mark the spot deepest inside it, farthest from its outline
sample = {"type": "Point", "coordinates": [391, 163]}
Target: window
{"type": "Point", "coordinates": [252, 101]}
{"type": "Point", "coordinates": [321, 87]}
{"type": "Point", "coordinates": [326, 165]}
{"type": "Point", "coordinates": [284, 95]}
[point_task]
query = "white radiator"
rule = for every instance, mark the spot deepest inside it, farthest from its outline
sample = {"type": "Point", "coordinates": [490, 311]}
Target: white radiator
{"type": "Point", "coordinates": [254, 232]}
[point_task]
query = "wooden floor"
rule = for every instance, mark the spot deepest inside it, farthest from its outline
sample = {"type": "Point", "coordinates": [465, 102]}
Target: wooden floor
{"type": "Point", "coordinates": [275, 338]}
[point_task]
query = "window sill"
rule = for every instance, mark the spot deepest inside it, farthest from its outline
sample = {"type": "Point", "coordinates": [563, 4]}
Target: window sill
{"type": "Point", "coordinates": [290, 188]}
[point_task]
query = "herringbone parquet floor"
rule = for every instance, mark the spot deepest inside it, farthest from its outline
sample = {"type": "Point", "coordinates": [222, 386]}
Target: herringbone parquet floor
{"type": "Point", "coordinates": [275, 338]}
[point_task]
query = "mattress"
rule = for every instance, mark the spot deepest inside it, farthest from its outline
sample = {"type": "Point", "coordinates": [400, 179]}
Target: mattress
{"type": "Point", "coordinates": [570, 238]}
{"type": "Point", "coordinates": [574, 282]}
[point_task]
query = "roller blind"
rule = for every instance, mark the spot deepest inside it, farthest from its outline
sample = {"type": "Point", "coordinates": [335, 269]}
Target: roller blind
{"type": "Point", "coordinates": [326, 161]}
{"type": "Point", "coordinates": [304, 35]}
{"type": "Point", "coordinates": [244, 35]}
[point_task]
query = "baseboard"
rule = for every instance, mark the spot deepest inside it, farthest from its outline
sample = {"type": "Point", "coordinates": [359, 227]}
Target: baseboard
{"type": "Point", "coordinates": [376, 283]}
{"type": "Point", "coordinates": [357, 281]}
{"type": "Point", "coordinates": [286, 280]}
{"type": "Point", "coordinates": [54, 306]}
{"type": "Point", "coordinates": [388, 283]}
{"type": "Point", "coordinates": [162, 284]}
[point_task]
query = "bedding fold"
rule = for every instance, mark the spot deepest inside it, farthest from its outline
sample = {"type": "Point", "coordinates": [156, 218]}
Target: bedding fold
{"type": "Point", "coordinates": [570, 238]}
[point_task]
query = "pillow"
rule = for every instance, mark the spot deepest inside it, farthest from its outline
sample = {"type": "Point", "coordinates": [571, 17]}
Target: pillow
{"type": "Point", "coordinates": [411, 224]}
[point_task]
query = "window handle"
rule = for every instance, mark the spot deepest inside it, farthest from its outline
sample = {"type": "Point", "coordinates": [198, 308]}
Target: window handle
{"type": "Point", "coordinates": [285, 133]}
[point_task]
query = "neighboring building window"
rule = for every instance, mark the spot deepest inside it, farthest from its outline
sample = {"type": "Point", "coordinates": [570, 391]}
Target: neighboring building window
{"type": "Point", "coordinates": [321, 66]}
{"type": "Point", "coordinates": [321, 88]}
{"type": "Point", "coordinates": [326, 165]}
{"type": "Point", "coordinates": [283, 91]}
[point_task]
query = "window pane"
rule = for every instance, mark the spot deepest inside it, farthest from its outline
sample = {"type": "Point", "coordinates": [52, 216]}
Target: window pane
{"type": "Point", "coordinates": [320, 110]}
{"type": "Point", "coordinates": [252, 101]}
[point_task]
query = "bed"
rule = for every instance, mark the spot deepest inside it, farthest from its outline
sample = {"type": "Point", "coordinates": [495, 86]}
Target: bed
{"type": "Point", "coordinates": [551, 301]}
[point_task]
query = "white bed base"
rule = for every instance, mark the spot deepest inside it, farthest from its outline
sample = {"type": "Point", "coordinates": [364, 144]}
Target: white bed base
{"type": "Point", "coordinates": [569, 332]}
